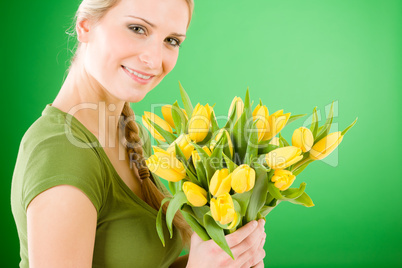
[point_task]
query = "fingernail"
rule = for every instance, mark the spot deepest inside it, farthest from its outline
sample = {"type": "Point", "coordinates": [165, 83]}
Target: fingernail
{"type": "Point", "coordinates": [255, 223]}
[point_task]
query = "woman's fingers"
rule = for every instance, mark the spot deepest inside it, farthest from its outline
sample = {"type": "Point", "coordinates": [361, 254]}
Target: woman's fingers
{"type": "Point", "coordinates": [239, 235]}
{"type": "Point", "coordinates": [259, 265]}
{"type": "Point", "coordinates": [257, 262]}
{"type": "Point", "coordinates": [252, 241]}
{"type": "Point", "coordinates": [255, 258]}
{"type": "Point", "coordinates": [253, 255]}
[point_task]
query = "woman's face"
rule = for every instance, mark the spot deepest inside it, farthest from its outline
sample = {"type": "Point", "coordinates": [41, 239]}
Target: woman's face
{"type": "Point", "coordinates": [131, 49]}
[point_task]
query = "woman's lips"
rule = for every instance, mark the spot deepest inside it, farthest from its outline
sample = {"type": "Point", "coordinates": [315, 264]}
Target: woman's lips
{"type": "Point", "coordinates": [136, 76]}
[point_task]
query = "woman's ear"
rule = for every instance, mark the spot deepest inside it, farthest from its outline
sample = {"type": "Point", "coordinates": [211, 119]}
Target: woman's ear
{"type": "Point", "coordinates": [82, 28]}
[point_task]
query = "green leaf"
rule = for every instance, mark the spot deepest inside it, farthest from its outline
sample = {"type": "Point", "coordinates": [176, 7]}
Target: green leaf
{"type": "Point", "coordinates": [240, 138]}
{"type": "Point", "coordinates": [227, 145]}
{"type": "Point", "coordinates": [349, 127]}
{"type": "Point", "coordinates": [146, 141]}
{"type": "Point", "coordinates": [182, 158]}
{"type": "Point", "coordinates": [206, 139]}
{"type": "Point", "coordinates": [214, 124]}
{"type": "Point", "coordinates": [186, 101]}
{"type": "Point", "coordinates": [314, 123]}
{"type": "Point", "coordinates": [294, 118]}
{"type": "Point", "coordinates": [205, 161]}
{"type": "Point", "coordinates": [243, 199]}
{"type": "Point", "coordinates": [285, 143]}
{"type": "Point", "coordinates": [324, 129]}
{"type": "Point", "coordinates": [281, 144]}
{"type": "Point", "coordinates": [229, 163]}
{"type": "Point", "coordinates": [231, 121]}
{"type": "Point", "coordinates": [298, 170]}
{"type": "Point", "coordinates": [303, 200]}
{"type": "Point", "coordinates": [293, 193]}
{"type": "Point", "coordinates": [264, 147]}
{"type": "Point", "coordinates": [252, 145]}
{"type": "Point", "coordinates": [199, 213]}
{"type": "Point", "coordinates": [159, 227]}
{"type": "Point", "coordinates": [169, 137]}
{"type": "Point", "coordinates": [216, 233]}
{"type": "Point", "coordinates": [268, 207]}
{"type": "Point", "coordinates": [175, 204]}
{"type": "Point", "coordinates": [269, 199]}
{"type": "Point", "coordinates": [258, 164]}
{"type": "Point", "coordinates": [172, 187]}
{"type": "Point", "coordinates": [265, 210]}
{"type": "Point", "coordinates": [179, 118]}
{"type": "Point", "coordinates": [274, 191]}
{"type": "Point", "coordinates": [247, 105]}
{"type": "Point", "coordinates": [217, 153]}
{"type": "Point", "coordinates": [189, 216]}
{"type": "Point", "coordinates": [259, 194]}
{"type": "Point", "coordinates": [202, 177]}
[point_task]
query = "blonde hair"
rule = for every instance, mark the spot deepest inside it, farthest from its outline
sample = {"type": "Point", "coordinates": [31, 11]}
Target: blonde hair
{"type": "Point", "coordinates": [94, 10]}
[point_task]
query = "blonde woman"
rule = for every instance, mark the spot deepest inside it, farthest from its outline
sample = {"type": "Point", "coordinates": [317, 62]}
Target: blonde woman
{"type": "Point", "coordinates": [81, 194]}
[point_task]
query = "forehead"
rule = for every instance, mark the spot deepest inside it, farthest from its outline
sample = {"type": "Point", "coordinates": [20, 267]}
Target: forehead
{"type": "Point", "coordinates": [170, 15]}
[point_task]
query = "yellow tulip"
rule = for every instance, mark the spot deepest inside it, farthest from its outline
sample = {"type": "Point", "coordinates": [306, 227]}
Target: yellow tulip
{"type": "Point", "coordinates": [196, 195]}
{"type": "Point", "coordinates": [183, 141]}
{"type": "Point", "coordinates": [281, 158]}
{"type": "Point", "coordinates": [199, 123]}
{"type": "Point", "coordinates": [261, 113]}
{"type": "Point", "coordinates": [157, 120]}
{"type": "Point", "coordinates": [222, 209]}
{"type": "Point", "coordinates": [243, 178]}
{"type": "Point", "coordinates": [283, 179]}
{"type": "Point", "coordinates": [166, 165]}
{"type": "Point", "coordinates": [277, 122]}
{"type": "Point", "coordinates": [195, 155]}
{"type": "Point", "coordinates": [216, 139]}
{"type": "Point", "coordinates": [234, 221]}
{"type": "Point", "coordinates": [274, 141]}
{"type": "Point", "coordinates": [303, 138]}
{"type": "Point", "coordinates": [326, 145]}
{"type": "Point", "coordinates": [167, 114]}
{"type": "Point", "coordinates": [220, 182]}
{"type": "Point", "coordinates": [238, 102]}
{"type": "Point", "coordinates": [209, 109]}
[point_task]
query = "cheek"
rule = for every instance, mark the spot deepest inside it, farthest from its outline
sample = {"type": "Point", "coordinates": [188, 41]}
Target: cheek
{"type": "Point", "coordinates": [105, 52]}
{"type": "Point", "coordinates": [170, 61]}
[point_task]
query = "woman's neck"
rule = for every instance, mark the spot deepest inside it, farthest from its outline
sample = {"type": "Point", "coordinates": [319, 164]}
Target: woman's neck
{"type": "Point", "coordinates": [84, 98]}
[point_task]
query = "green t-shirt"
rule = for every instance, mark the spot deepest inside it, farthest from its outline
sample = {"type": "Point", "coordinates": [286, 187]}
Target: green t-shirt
{"type": "Point", "coordinates": [58, 149]}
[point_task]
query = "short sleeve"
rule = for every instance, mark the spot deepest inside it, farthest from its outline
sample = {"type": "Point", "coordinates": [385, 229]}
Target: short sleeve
{"type": "Point", "coordinates": [57, 161]}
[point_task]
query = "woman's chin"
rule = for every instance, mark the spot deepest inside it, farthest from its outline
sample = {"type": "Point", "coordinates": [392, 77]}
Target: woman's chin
{"type": "Point", "coordinates": [137, 96]}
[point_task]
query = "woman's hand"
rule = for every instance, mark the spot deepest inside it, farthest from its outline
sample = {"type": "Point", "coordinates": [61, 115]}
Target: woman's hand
{"type": "Point", "coordinates": [245, 243]}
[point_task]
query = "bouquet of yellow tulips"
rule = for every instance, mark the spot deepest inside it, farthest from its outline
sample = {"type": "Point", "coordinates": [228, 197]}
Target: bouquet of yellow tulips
{"type": "Point", "coordinates": [223, 178]}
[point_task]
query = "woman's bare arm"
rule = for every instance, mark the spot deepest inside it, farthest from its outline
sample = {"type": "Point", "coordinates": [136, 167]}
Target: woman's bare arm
{"type": "Point", "coordinates": [61, 226]}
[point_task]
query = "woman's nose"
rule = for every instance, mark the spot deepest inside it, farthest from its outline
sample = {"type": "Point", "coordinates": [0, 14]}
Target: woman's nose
{"type": "Point", "coordinates": [152, 55]}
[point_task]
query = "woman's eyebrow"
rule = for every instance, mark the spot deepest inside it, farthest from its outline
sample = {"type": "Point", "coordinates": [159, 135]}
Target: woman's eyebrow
{"type": "Point", "coordinates": [153, 25]}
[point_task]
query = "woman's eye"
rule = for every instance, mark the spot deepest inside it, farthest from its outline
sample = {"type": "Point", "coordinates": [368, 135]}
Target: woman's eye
{"type": "Point", "coordinates": [173, 42]}
{"type": "Point", "coordinates": [137, 29]}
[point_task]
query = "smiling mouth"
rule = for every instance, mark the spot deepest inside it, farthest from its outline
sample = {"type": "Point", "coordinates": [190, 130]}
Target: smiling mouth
{"type": "Point", "coordinates": [145, 77]}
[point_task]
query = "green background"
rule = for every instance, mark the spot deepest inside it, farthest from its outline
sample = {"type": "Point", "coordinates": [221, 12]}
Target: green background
{"type": "Point", "coordinates": [294, 55]}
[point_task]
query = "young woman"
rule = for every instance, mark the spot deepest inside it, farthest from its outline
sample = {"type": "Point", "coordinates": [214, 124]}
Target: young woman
{"type": "Point", "coordinates": [77, 198]}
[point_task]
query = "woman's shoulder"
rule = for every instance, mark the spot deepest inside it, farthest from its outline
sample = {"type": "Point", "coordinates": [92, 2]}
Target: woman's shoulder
{"type": "Point", "coordinates": [51, 154]}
